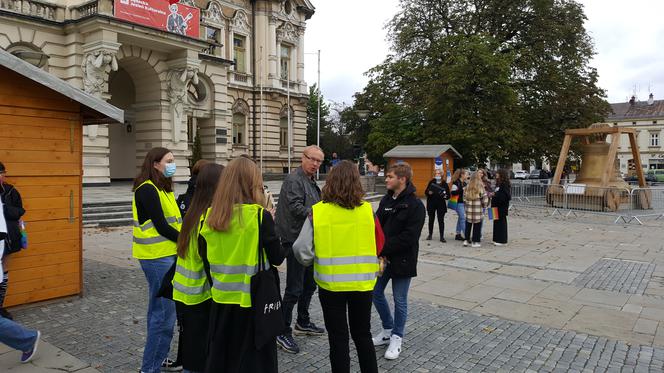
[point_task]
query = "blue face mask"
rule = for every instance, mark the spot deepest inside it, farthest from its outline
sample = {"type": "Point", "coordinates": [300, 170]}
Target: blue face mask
{"type": "Point", "coordinates": [169, 170]}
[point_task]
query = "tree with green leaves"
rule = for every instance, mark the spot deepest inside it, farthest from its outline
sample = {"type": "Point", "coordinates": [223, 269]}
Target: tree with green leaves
{"type": "Point", "coordinates": [498, 79]}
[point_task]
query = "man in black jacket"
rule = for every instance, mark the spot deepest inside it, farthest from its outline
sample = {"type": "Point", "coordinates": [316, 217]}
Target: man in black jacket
{"type": "Point", "coordinates": [13, 211]}
{"type": "Point", "coordinates": [401, 215]}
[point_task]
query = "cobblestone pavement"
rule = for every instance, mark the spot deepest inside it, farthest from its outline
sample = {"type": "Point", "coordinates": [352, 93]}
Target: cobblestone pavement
{"type": "Point", "coordinates": [106, 328]}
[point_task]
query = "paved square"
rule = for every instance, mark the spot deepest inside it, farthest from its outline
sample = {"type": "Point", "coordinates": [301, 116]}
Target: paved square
{"type": "Point", "coordinates": [622, 276]}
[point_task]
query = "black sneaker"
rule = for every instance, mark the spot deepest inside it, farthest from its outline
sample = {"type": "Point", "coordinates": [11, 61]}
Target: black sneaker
{"type": "Point", "coordinates": [308, 329]}
{"type": "Point", "coordinates": [170, 366]}
{"type": "Point", "coordinates": [458, 237]}
{"type": "Point", "coordinates": [287, 343]}
{"type": "Point", "coordinates": [443, 240]}
{"type": "Point", "coordinates": [429, 238]}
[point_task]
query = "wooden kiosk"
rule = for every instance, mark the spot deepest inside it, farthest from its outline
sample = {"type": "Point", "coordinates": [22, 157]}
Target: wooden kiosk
{"type": "Point", "coordinates": [41, 119]}
{"type": "Point", "coordinates": [424, 159]}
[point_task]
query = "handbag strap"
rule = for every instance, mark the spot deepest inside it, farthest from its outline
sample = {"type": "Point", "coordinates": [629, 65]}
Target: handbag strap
{"type": "Point", "coordinates": [261, 250]}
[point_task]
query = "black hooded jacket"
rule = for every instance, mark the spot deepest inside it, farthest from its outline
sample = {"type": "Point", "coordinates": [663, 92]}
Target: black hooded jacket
{"type": "Point", "coordinates": [402, 219]}
{"type": "Point", "coordinates": [13, 210]}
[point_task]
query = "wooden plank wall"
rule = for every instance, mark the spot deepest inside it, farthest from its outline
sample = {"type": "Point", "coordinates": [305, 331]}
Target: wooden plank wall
{"type": "Point", "coordinates": [41, 147]}
{"type": "Point", "coordinates": [423, 170]}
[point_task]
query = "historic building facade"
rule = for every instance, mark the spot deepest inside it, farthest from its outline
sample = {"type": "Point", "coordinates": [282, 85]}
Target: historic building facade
{"type": "Point", "coordinates": [647, 117]}
{"type": "Point", "coordinates": [229, 78]}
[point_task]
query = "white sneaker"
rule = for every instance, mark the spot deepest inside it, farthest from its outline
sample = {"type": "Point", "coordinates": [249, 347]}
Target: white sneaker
{"type": "Point", "coordinates": [498, 244]}
{"type": "Point", "coordinates": [382, 338]}
{"type": "Point", "coordinates": [394, 350]}
{"type": "Point", "coordinates": [476, 244]}
{"type": "Point", "coordinates": [465, 243]}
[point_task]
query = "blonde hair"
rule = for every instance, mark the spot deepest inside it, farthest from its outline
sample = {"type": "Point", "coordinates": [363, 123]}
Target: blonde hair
{"type": "Point", "coordinates": [240, 183]}
{"type": "Point", "coordinates": [475, 188]}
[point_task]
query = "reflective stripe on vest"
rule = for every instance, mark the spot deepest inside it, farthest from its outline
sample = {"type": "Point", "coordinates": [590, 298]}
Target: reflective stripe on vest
{"type": "Point", "coordinates": [345, 255]}
{"type": "Point", "coordinates": [233, 256]}
{"type": "Point", "coordinates": [147, 243]}
{"type": "Point", "coordinates": [190, 282]}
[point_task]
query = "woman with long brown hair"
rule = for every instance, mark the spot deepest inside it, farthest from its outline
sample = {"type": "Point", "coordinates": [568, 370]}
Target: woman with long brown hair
{"type": "Point", "coordinates": [476, 200]}
{"type": "Point", "coordinates": [235, 226]}
{"type": "Point", "coordinates": [191, 286]}
{"type": "Point", "coordinates": [348, 239]}
{"type": "Point", "coordinates": [157, 223]}
{"type": "Point", "coordinates": [457, 201]}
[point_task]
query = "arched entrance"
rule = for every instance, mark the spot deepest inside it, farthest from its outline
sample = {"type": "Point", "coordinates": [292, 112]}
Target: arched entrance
{"type": "Point", "coordinates": [134, 87]}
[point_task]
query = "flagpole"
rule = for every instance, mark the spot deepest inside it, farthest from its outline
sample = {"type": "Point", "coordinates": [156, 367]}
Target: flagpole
{"type": "Point", "coordinates": [260, 67]}
{"type": "Point", "coordinates": [290, 134]}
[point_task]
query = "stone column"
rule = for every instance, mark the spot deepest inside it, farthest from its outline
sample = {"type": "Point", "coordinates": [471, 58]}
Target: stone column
{"type": "Point", "coordinates": [272, 48]}
{"type": "Point", "coordinates": [300, 58]}
{"type": "Point", "coordinates": [99, 59]}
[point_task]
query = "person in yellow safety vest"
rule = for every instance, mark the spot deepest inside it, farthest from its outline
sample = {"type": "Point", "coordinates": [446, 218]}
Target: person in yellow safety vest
{"type": "Point", "coordinates": [229, 241]}
{"type": "Point", "coordinates": [347, 239]}
{"type": "Point", "coordinates": [191, 284]}
{"type": "Point", "coordinates": [157, 223]}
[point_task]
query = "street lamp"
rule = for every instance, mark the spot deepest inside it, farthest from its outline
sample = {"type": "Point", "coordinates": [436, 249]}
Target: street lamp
{"type": "Point", "coordinates": [318, 121]}
{"type": "Point", "coordinates": [363, 115]}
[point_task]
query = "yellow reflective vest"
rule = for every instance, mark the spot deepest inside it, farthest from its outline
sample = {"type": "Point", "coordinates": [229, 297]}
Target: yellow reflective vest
{"type": "Point", "coordinates": [233, 255]}
{"type": "Point", "coordinates": [345, 247]}
{"type": "Point", "coordinates": [190, 282]}
{"type": "Point", "coordinates": [147, 242]}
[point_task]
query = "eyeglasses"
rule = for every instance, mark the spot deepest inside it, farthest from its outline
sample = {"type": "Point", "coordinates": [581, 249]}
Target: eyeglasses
{"type": "Point", "coordinates": [315, 160]}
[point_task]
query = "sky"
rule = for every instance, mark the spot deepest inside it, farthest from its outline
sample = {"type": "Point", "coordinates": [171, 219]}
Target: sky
{"type": "Point", "coordinates": [352, 39]}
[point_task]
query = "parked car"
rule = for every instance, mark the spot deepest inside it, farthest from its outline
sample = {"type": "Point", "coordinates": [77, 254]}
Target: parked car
{"type": "Point", "coordinates": [657, 175]}
{"type": "Point", "coordinates": [538, 174]}
{"type": "Point", "coordinates": [650, 178]}
{"type": "Point", "coordinates": [521, 175]}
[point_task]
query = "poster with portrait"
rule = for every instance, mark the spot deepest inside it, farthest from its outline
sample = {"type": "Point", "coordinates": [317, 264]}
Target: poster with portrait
{"type": "Point", "coordinates": [160, 14]}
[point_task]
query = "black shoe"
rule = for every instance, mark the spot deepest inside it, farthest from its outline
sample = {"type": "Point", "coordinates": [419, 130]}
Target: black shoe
{"type": "Point", "coordinates": [459, 237]}
{"type": "Point", "coordinates": [170, 366]}
{"type": "Point", "coordinates": [308, 329]}
{"type": "Point", "coordinates": [443, 240]}
{"type": "Point", "coordinates": [429, 238]}
{"type": "Point", "coordinates": [287, 343]}
{"type": "Point", "coordinates": [4, 313]}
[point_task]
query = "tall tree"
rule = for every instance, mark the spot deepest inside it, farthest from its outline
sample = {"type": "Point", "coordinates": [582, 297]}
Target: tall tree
{"type": "Point", "coordinates": [495, 78]}
{"type": "Point", "coordinates": [312, 114]}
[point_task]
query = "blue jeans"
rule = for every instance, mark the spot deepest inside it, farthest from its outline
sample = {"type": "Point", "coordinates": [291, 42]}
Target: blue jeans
{"type": "Point", "coordinates": [400, 294]}
{"type": "Point", "coordinates": [16, 335]}
{"type": "Point", "coordinates": [161, 315]}
{"type": "Point", "coordinates": [461, 221]}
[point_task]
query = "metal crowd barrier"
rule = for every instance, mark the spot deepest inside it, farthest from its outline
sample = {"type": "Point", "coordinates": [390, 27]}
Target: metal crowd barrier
{"type": "Point", "coordinates": [624, 205]}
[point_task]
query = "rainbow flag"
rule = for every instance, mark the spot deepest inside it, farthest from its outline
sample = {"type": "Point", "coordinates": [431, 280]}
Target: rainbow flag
{"type": "Point", "coordinates": [453, 202]}
{"type": "Point", "coordinates": [493, 213]}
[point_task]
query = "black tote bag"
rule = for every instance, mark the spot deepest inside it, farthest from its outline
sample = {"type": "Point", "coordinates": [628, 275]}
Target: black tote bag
{"type": "Point", "coordinates": [266, 299]}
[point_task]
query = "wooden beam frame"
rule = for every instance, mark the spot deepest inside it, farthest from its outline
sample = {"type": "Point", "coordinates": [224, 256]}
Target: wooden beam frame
{"type": "Point", "coordinates": [637, 159]}
{"type": "Point", "coordinates": [561, 160]}
{"type": "Point", "coordinates": [611, 158]}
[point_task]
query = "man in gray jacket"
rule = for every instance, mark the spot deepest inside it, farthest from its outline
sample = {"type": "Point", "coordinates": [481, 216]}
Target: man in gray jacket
{"type": "Point", "coordinates": [298, 193]}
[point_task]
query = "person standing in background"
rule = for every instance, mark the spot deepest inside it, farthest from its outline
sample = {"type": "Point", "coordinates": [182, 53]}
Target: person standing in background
{"type": "Point", "coordinates": [437, 192]}
{"type": "Point", "coordinates": [13, 211]}
{"type": "Point", "coordinates": [501, 201]}
{"type": "Point", "coordinates": [157, 222]}
{"type": "Point", "coordinates": [185, 199]}
{"type": "Point", "coordinates": [456, 191]}
{"type": "Point", "coordinates": [476, 201]}
{"type": "Point", "coordinates": [298, 193]}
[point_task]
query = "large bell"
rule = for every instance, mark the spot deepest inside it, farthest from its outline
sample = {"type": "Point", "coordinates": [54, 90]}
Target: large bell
{"type": "Point", "coordinates": [593, 163]}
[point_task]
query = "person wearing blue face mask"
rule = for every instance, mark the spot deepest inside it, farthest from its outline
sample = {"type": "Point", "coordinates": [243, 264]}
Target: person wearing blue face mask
{"type": "Point", "coordinates": [157, 223]}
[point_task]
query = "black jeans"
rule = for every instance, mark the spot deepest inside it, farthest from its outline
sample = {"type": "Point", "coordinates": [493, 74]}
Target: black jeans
{"type": "Point", "coordinates": [300, 287]}
{"type": "Point", "coordinates": [476, 229]}
{"type": "Point", "coordinates": [440, 211]}
{"type": "Point", "coordinates": [357, 305]}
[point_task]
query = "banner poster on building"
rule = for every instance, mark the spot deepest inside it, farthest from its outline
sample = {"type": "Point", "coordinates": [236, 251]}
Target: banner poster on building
{"type": "Point", "coordinates": [161, 14]}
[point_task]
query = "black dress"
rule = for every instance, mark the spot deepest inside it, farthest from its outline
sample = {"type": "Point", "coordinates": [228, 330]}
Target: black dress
{"type": "Point", "coordinates": [501, 200]}
{"type": "Point", "coordinates": [231, 347]}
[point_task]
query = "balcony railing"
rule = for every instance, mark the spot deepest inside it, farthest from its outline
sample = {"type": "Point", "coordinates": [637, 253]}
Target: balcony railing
{"type": "Point", "coordinates": [284, 84]}
{"type": "Point", "coordinates": [34, 8]}
{"type": "Point", "coordinates": [87, 9]}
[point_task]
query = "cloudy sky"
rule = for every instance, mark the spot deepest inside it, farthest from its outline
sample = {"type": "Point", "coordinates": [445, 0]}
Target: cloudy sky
{"type": "Point", "coordinates": [351, 37]}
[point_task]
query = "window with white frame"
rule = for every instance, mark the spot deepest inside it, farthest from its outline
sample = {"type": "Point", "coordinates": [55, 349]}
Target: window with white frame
{"type": "Point", "coordinates": [239, 128]}
{"type": "Point", "coordinates": [285, 61]}
{"type": "Point", "coordinates": [240, 53]}
{"type": "Point", "coordinates": [654, 138]}
{"type": "Point", "coordinates": [283, 132]}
